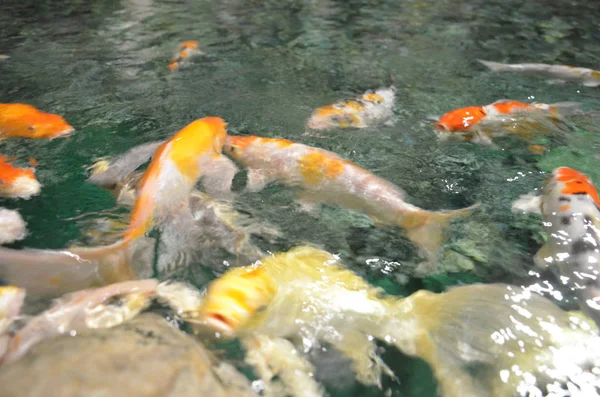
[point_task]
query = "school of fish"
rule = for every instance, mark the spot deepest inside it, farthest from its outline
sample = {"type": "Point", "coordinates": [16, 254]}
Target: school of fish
{"type": "Point", "coordinates": [480, 340]}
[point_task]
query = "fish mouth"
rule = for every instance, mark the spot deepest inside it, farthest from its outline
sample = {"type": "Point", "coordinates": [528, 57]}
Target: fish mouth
{"type": "Point", "coordinates": [218, 324]}
{"type": "Point", "coordinates": [65, 133]}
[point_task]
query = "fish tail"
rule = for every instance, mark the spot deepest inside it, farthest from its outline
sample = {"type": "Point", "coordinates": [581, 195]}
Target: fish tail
{"type": "Point", "coordinates": [566, 109]}
{"type": "Point", "coordinates": [495, 66]}
{"type": "Point", "coordinates": [51, 273]}
{"type": "Point", "coordinates": [427, 229]}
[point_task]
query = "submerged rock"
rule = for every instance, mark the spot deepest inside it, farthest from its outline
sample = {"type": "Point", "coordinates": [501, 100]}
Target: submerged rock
{"type": "Point", "coordinates": [145, 357]}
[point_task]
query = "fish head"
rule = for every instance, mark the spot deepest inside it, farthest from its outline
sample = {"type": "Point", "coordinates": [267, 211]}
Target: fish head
{"type": "Point", "coordinates": [237, 146]}
{"type": "Point", "coordinates": [18, 182]}
{"type": "Point", "coordinates": [189, 45]}
{"type": "Point", "coordinates": [234, 299]}
{"type": "Point", "coordinates": [566, 185]}
{"type": "Point", "coordinates": [461, 119]}
{"type": "Point", "coordinates": [46, 126]}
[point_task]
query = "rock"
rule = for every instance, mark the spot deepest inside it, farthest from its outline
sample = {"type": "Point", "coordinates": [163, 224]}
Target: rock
{"type": "Point", "coordinates": [145, 357]}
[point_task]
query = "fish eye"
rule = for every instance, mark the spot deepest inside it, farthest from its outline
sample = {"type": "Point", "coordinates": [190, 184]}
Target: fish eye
{"type": "Point", "coordinates": [31, 128]}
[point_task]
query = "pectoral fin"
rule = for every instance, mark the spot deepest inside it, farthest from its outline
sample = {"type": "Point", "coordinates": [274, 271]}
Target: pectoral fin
{"type": "Point", "coordinates": [529, 202]}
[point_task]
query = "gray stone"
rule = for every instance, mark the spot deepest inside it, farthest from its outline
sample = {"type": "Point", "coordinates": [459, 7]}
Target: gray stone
{"type": "Point", "coordinates": [145, 357]}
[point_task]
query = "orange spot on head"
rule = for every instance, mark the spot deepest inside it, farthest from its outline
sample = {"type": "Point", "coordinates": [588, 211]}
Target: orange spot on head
{"type": "Point", "coordinates": [372, 97]}
{"type": "Point", "coordinates": [508, 107]}
{"type": "Point", "coordinates": [190, 44]}
{"type": "Point", "coordinates": [461, 119]}
{"type": "Point", "coordinates": [564, 207]}
{"type": "Point", "coordinates": [576, 183]}
{"type": "Point", "coordinates": [316, 167]}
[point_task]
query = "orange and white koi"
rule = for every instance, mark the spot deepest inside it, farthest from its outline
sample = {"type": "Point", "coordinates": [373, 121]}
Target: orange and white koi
{"type": "Point", "coordinates": [193, 153]}
{"type": "Point", "coordinates": [185, 51]}
{"type": "Point", "coordinates": [12, 226]}
{"type": "Point", "coordinates": [559, 73]}
{"type": "Point", "coordinates": [25, 121]}
{"type": "Point", "coordinates": [287, 304]}
{"type": "Point", "coordinates": [480, 124]}
{"type": "Point", "coordinates": [570, 208]}
{"type": "Point", "coordinates": [17, 182]}
{"type": "Point", "coordinates": [373, 108]}
{"type": "Point", "coordinates": [326, 178]}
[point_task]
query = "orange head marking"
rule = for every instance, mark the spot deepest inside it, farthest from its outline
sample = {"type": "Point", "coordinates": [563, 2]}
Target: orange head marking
{"type": "Point", "coordinates": [189, 45]}
{"type": "Point", "coordinates": [174, 64]}
{"type": "Point", "coordinates": [372, 97]}
{"type": "Point", "coordinates": [507, 107]}
{"type": "Point", "coordinates": [576, 183]}
{"type": "Point", "coordinates": [461, 119]}
{"type": "Point", "coordinates": [236, 297]}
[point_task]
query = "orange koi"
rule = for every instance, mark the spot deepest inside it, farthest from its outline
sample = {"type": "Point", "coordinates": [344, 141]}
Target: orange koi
{"type": "Point", "coordinates": [324, 177]}
{"type": "Point", "coordinates": [185, 51]}
{"type": "Point", "coordinates": [371, 109]}
{"type": "Point", "coordinates": [17, 182]}
{"type": "Point", "coordinates": [193, 154]}
{"type": "Point", "coordinates": [25, 121]}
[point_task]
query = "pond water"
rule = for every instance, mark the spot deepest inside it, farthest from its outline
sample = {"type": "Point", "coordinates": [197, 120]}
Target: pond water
{"type": "Point", "coordinates": [103, 66]}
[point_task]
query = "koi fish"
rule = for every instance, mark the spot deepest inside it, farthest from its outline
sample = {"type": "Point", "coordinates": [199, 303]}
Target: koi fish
{"type": "Point", "coordinates": [25, 121]}
{"type": "Point", "coordinates": [81, 310]}
{"type": "Point", "coordinates": [570, 208]}
{"type": "Point", "coordinates": [559, 73]}
{"type": "Point", "coordinates": [326, 178]}
{"type": "Point", "coordinates": [186, 50]}
{"type": "Point", "coordinates": [373, 108]}
{"type": "Point", "coordinates": [4, 57]}
{"type": "Point", "coordinates": [284, 305]}
{"type": "Point", "coordinates": [12, 226]}
{"type": "Point", "coordinates": [480, 124]}
{"type": "Point", "coordinates": [17, 182]}
{"type": "Point", "coordinates": [193, 153]}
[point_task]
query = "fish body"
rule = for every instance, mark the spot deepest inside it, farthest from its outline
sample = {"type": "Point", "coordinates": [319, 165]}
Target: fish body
{"type": "Point", "coordinates": [306, 297]}
{"type": "Point", "coordinates": [25, 121]}
{"type": "Point", "coordinates": [570, 208]}
{"type": "Point", "coordinates": [4, 57]}
{"type": "Point", "coordinates": [12, 226]}
{"type": "Point", "coordinates": [186, 50]}
{"type": "Point", "coordinates": [480, 124]}
{"type": "Point", "coordinates": [17, 182]}
{"type": "Point", "coordinates": [558, 73]}
{"type": "Point", "coordinates": [324, 177]}
{"type": "Point", "coordinates": [11, 302]}
{"type": "Point", "coordinates": [373, 108]}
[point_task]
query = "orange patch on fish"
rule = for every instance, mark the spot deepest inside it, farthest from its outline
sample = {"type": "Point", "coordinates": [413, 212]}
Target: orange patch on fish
{"type": "Point", "coordinates": [564, 207]}
{"type": "Point", "coordinates": [9, 173]}
{"type": "Point", "coordinates": [461, 119]}
{"type": "Point", "coordinates": [190, 44]}
{"type": "Point", "coordinates": [537, 149]}
{"type": "Point", "coordinates": [576, 183]}
{"type": "Point", "coordinates": [371, 97]}
{"type": "Point", "coordinates": [316, 166]}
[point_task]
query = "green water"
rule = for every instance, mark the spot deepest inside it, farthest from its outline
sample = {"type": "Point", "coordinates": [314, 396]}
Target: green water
{"type": "Point", "coordinates": [103, 66]}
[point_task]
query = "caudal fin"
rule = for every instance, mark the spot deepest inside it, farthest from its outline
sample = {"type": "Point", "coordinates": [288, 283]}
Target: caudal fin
{"type": "Point", "coordinates": [489, 327]}
{"type": "Point", "coordinates": [427, 229]}
{"type": "Point", "coordinates": [495, 66]}
{"type": "Point", "coordinates": [51, 273]}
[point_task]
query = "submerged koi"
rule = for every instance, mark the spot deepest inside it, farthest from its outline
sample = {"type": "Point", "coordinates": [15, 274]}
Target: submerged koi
{"type": "Point", "coordinates": [371, 109]}
{"type": "Point", "coordinates": [185, 51]}
{"type": "Point", "coordinates": [12, 226]}
{"type": "Point", "coordinates": [287, 304]}
{"type": "Point", "coordinates": [193, 153]}
{"type": "Point", "coordinates": [481, 123]}
{"type": "Point", "coordinates": [11, 302]}
{"type": "Point", "coordinates": [20, 120]}
{"type": "Point", "coordinates": [326, 178]}
{"type": "Point", "coordinates": [570, 207]}
{"type": "Point", "coordinates": [4, 57]}
{"type": "Point", "coordinates": [17, 182]}
{"type": "Point", "coordinates": [559, 73]}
